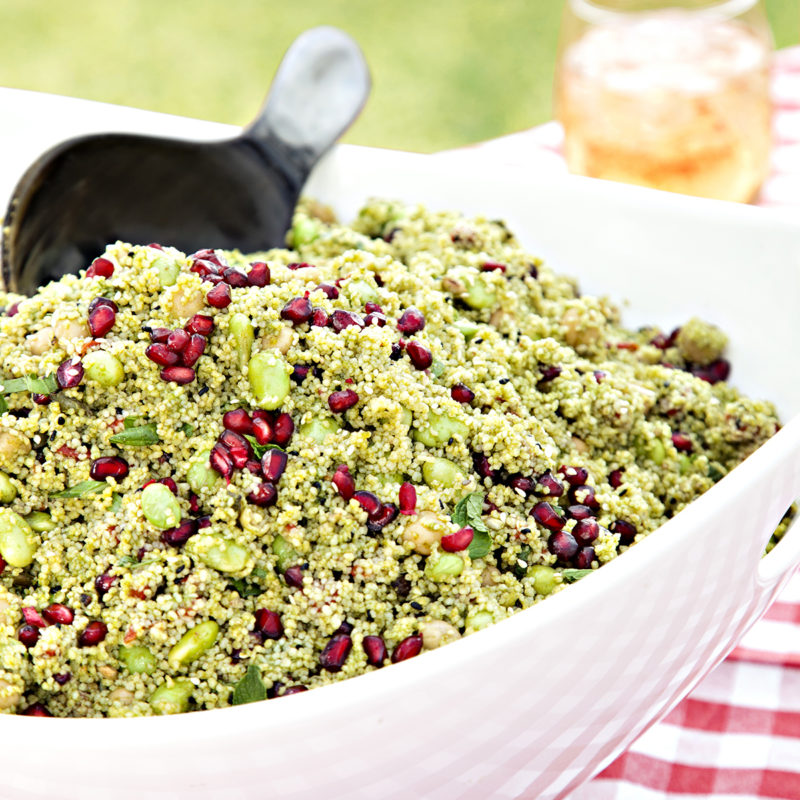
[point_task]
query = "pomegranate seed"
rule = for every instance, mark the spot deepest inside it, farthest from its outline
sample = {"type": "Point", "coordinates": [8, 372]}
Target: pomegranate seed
{"type": "Point", "coordinates": [715, 372]}
{"type": "Point", "coordinates": [203, 522]}
{"type": "Point", "coordinates": [101, 321]}
{"type": "Point", "coordinates": [397, 351]}
{"type": "Point", "coordinates": [546, 515]}
{"type": "Point", "coordinates": [344, 319]}
{"type": "Point", "coordinates": [12, 310]}
{"type": "Point", "coordinates": [235, 277]}
{"type": "Point", "coordinates": [420, 356]}
{"type": "Point", "coordinates": [297, 311]}
{"type": "Point", "coordinates": [160, 335]}
{"type": "Point", "coordinates": [3, 564]}
{"type": "Point", "coordinates": [194, 503]}
{"type": "Point", "coordinates": [208, 254]}
{"type": "Point", "coordinates": [376, 318]}
{"type": "Point", "coordinates": [253, 466]}
{"type": "Point", "coordinates": [219, 296]}
{"type": "Point", "coordinates": [264, 495]}
{"type": "Point", "coordinates": [33, 617]}
{"type": "Point", "coordinates": [344, 483]}
{"type": "Point", "coordinates": [584, 495]}
{"type": "Point", "coordinates": [283, 429]}
{"type": "Point", "coordinates": [599, 375]}
{"type": "Point", "coordinates": [193, 350]}
{"type": "Point", "coordinates": [547, 484]}
{"type": "Point", "coordinates": [663, 340]}
{"type": "Point", "coordinates": [109, 467]}
{"type": "Point", "coordinates": [373, 308]}
{"type": "Point", "coordinates": [262, 431]}
{"type": "Point", "coordinates": [35, 710]}
{"type": "Point", "coordinates": [205, 267]}
{"type": "Point", "coordinates": [461, 393]}
{"type": "Point", "coordinates": [481, 463]}
{"type": "Point", "coordinates": [549, 372]}
{"type": "Point", "coordinates": [161, 355]}
{"type": "Point", "coordinates": [584, 558]}
{"type": "Point", "coordinates": [259, 274]}
{"type": "Point", "coordinates": [238, 421]}
{"type": "Point", "coordinates": [200, 323]}
{"type": "Point", "coordinates": [386, 515]}
{"type": "Point", "coordinates": [320, 318]}
{"type": "Point", "coordinates": [177, 340]}
{"type": "Point", "coordinates": [369, 502]}
{"type": "Point", "coordinates": [298, 265]}
{"type": "Point", "coordinates": [102, 583]}
{"type": "Point", "coordinates": [626, 530]}
{"type": "Point", "coordinates": [407, 498]}
{"type": "Point", "coordinates": [300, 372]}
{"type": "Point", "coordinates": [586, 531]}
{"type": "Point", "coordinates": [238, 447]}
{"type": "Point", "coordinates": [460, 540]}
{"type": "Point", "coordinates": [493, 266]}
{"type": "Point", "coordinates": [335, 653]}
{"type": "Point", "coordinates": [221, 461]}
{"type": "Point", "coordinates": [411, 321]}
{"type": "Point", "coordinates": [69, 373]}
{"type": "Point", "coordinates": [180, 534]}
{"type": "Point", "coordinates": [615, 478]}
{"type": "Point", "coordinates": [339, 402]}
{"type": "Point", "coordinates": [103, 301]}
{"type": "Point", "coordinates": [100, 268]}
{"type": "Point", "coordinates": [574, 476]}
{"type": "Point", "coordinates": [170, 484]}
{"type": "Point", "coordinates": [294, 690]}
{"type": "Point", "coordinates": [562, 545]}
{"type": "Point", "coordinates": [179, 375]}
{"type": "Point", "coordinates": [273, 463]}
{"type": "Point", "coordinates": [682, 442]}
{"type": "Point", "coordinates": [376, 651]}
{"type": "Point", "coordinates": [522, 484]}
{"type": "Point", "coordinates": [331, 292]}
{"type": "Point", "coordinates": [579, 511]}
{"type": "Point", "coordinates": [41, 399]}
{"type": "Point", "coordinates": [408, 648]}
{"type": "Point", "coordinates": [294, 577]}
{"type": "Point", "coordinates": [268, 624]}
{"type": "Point", "coordinates": [92, 634]}
{"type": "Point", "coordinates": [62, 677]}
{"type": "Point", "coordinates": [59, 614]}
{"type": "Point", "coordinates": [28, 635]}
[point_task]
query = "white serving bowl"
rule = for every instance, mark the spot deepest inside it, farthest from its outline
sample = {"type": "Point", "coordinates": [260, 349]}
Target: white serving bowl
{"type": "Point", "coordinates": [540, 702]}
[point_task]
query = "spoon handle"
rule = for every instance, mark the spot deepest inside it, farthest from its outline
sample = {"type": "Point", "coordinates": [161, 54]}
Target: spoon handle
{"type": "Point", "coordinates": [319, 89]}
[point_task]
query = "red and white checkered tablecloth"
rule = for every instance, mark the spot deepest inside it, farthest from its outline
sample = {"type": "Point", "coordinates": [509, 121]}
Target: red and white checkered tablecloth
{"type": "Point", "coordinates": [737, 735]}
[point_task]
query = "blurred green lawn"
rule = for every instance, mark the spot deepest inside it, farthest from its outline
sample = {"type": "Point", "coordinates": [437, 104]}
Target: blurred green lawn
{"type": "Point", "coordinates": [444, 73]}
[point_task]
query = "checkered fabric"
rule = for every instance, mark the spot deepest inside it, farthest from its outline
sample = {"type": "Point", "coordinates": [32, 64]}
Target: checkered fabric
{"type": "Point", "coordinates": [737, 735]}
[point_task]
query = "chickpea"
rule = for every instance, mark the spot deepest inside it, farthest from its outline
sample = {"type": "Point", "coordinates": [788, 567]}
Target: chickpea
{"type": "Point", "coordinates": [425, 531]}
{"type": "Point", "coordinates": [66, 330]}
{"type": "Point", "coordinates": [187, 302]}
{"type": "Point", "coordinates": [10, 695]}
{"type": "Point", "coordinates": [437, 632]}
{"type": "Point", "coordinates": [121, 696]}
{"type": "Point", "coordinates": [13, 445]}
{"type": "Point", "coordinates": [40, 342]}
{"type": "Point", "coordinates": [582, 327]}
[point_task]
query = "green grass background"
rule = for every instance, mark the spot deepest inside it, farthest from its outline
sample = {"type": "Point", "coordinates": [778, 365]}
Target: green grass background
{"type": "Point", "coordinates": [444, 73]}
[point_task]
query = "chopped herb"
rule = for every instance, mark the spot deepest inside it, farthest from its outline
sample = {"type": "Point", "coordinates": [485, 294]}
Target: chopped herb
{"type": "Point", "coordinates": [468, 512]}
{"type": "Point", "coordinates": [81, 489]}
{"type": "Point", "coordinates": [260, 449]}
{"type": "Point", "coordinates": [572, 575]}
{"type": "Point", "coordinates": [187, 429]}
{"type": "Point", "coordinates": [259, 573]}
{"type": "Point", "coordinates": [246, 589]}
{"type": "Point", "coordinates": [250, 689]}
{"type": "Point", "coordinates": [130, 422]}
{"type": "Point", "coordinates": [30, 383]}
{"type": "Point", "coordinates": [3, 405]}
{"type": "Point", "coordinates": [116, 503]}
{"type": "Point", "coordinates": [137, 437]}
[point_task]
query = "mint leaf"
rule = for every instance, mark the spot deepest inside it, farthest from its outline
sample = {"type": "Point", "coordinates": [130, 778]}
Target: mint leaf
{"type": "Point", "coordinates": [250, 689]}
{"type": "Point", "coordinates": [572, 575]}
{"type": "Point", "coordinates": [30, 383]}
{"type": "Point", "coordinates": [3, 405]}
{"type": "Point", "coordinates": [480, 545]}
{"type": "Point", "coordinates": [137, 437]}
{"type": "Point", "coordinates": [81, 489]}
{"type": "Point", "coordinates": [260, 449]}
{"type": "Point", "coordinates": [116, 503]}
{"type": "Point", "coordinates": [130, 422]}
{"type": "Point", "coordinates": [187, 429]}
{"type": "Point", "coordinates": [246, 589]}
{"type": "Point", "coordinates": [469, 511]}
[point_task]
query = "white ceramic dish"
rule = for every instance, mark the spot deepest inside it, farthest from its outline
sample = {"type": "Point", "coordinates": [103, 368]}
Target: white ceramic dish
{"type": "Point", "coordinates": [539, 703]}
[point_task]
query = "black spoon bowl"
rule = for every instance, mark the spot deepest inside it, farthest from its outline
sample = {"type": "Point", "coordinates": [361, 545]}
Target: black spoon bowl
{"type": "Point", "coordinates": [236, 193]}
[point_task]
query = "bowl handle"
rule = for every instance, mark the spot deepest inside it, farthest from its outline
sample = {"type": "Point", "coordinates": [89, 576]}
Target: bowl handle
{"type": "Point", "coordinates": [778, 562]}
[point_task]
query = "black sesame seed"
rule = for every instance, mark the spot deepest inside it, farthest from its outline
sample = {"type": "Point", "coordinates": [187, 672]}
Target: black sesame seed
{"type": "Point", "coordinates": [316, 484]}
{"type": "Point", "coordinates": [525, 530]}
{"type": "Point", "coordinates": [415, 605]}
{"type": "Point", "coordinates": [504, 380]}
{"type": "Point", "coordinates": [203, 391]}
{"type": "Point", "coordinates": [478, 341]}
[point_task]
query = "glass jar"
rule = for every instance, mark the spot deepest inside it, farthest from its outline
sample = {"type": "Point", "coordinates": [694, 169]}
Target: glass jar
{"type": "Point", "coordinates": [671, 95]}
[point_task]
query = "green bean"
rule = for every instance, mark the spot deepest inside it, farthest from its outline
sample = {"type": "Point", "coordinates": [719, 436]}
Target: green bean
{"type": "Point", "coordinates": [545, 578]}
{"type": "Point", "coordinates": [287, 555]}
{"type": "Point", "coordinates": [7, 489]}
{"type": "Point", "coordinates": [200, 475]}
{"type": "Point", "coordinates": [269, 379]}
{"type": "Point", "coordinates": [160, 506]}
{"type": "Point", "coordinates": [172, 697]}
{"type": "Point", "coordinates": [40, 521]}
{"type": "Point", "coordinates": [439, 430]}
{"type": "Point", "coordinates": [442, 472]}
{"type": "Point", "coordinates": [243, 336]}
{"type": "Point", "coordinates": [447, 565]}
{"type": "Point", "coordinates": [193, 644]}
{"type": "Point", "coordinates": [103, 368]}
{"type": "Point", "coordinates": [168, 270]}
{"type": "Point", "coordinates": [18, 543]}
{"type": "Point", "coordinates": [138, 659]}
{"type": "Point", "coordinates": [319, 429]}
{"type": "Point", "coordinates": [219, 553]}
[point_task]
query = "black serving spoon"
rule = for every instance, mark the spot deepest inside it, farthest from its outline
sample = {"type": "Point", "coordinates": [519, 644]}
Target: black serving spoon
{"type": "Point", "coordinates": [236, 193]}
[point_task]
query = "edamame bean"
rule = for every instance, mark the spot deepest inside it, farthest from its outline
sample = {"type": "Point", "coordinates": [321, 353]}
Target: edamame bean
{"type": "Point", "coordinates": [319, 429]}
{"type": "Point", "coordinates": [243, 336]}
{"type": "Point", "coordinates": [200, 475]}
{"type": "Point", "coordinates": [545, 578]}
{"type": "Point", "coordinates": [684, 463]}
{"type": "Point", "coordinates": [40, 521]}
{"type": "Point", "coordinates": [217, 552]}
{"type": "Point", "coordinates": [304, 231]}
{"type": "Point", "coordinates": [18, 543]}
{"type": "Point", "coordinates": [160, 507]}
{"type": "Point", "coordinates": [468, 328]}
{"type": "Point", "coordinates": [439, 430]}
{"type": "Point", "coordinates": [446, 565]}
{"type": "Point", "coordinates": [172, 697]}
{"type": "Point", "coordinates": [442, 472]}
{"type": "Point", "coordinates": [269, 379]}
{"type": "Point", "coordinates": [7, 489]}
{"type": "Point", "coordinates": [656, 451]}
{"type": "Point", "coordinates": [138, 659]}
{"type": "Point", "coordinates": [479, 294]}
{"type": "Point", "coordinates": [168, 270]}
{"type": "Point", "coordinates": [103, 368]}
{"type": "Point", "coordinates": [287, 555]}
{"type": "Point", "coordinates": [193, 644]}
{"type": "Point", "coordinates": [363, 292]}
{"type": "Point", "coordinates": [478, 620]}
